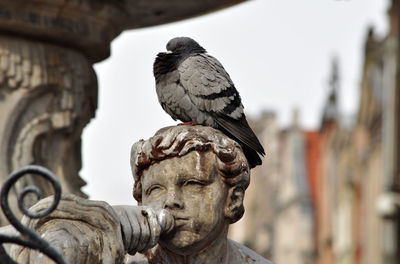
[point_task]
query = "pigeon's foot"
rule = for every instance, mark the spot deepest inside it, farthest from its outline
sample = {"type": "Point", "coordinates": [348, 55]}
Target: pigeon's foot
{"type": "Point", "coordinates": [191, 123]}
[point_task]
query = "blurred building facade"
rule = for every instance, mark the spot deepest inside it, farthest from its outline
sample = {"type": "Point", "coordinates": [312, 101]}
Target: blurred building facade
{"type": "Point", "coordinates": [343, 180]}
{"type": "Point", "coordinates": [359, 163]}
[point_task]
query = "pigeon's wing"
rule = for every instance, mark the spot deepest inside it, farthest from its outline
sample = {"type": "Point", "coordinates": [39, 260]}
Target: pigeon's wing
{"type": "Point", "coordinates": [209, 86]}
{"type": "Point", "coordinates": [167, 92]}
{"type": "Point", "coordinates": [211, 89]}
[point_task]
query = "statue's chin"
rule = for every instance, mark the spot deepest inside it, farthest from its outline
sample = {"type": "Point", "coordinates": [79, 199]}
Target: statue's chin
{"type": "Point", "coordinates": [183, 242]}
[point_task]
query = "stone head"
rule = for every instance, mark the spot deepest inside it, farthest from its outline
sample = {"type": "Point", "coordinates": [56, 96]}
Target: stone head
{"type": "Point", "coordinates": [199, 175]}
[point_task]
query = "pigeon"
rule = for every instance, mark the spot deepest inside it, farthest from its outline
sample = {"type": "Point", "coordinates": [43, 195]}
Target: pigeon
{"type": "Point", "coordinates": [193, 87]}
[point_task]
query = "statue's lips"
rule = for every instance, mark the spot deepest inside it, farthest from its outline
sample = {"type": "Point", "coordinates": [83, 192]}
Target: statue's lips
{"type": "Point", "coordinates": [181, 221]}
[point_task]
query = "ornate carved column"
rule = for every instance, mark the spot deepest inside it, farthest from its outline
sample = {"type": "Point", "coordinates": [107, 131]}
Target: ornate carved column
{"type": "Point", "coordinates": [48, 88]}
{"type": "Point", "coordinates": [48, 94]}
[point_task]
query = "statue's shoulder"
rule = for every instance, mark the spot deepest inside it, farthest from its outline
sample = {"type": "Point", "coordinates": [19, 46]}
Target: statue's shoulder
{"type": "Point", "coordinates": [239, 254]}
{"type": "Point", "coordinates": [243, 254]}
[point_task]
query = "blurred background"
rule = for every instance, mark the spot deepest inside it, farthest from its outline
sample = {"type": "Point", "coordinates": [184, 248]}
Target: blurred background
{"type": "Point", "coordinates": [319, 80]}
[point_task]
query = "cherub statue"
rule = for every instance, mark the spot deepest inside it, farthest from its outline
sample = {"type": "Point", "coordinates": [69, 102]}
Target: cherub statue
{"type": "Point", "coordinates": [200, 176]}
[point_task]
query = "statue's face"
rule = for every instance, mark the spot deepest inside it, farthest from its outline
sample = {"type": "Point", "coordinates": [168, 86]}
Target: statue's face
{"type": "Point", "coordinates": [190, 188]}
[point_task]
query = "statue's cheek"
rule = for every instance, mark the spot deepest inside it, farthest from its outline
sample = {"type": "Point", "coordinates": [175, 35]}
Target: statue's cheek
{"type": "Point", "coordinates": [157, 204]}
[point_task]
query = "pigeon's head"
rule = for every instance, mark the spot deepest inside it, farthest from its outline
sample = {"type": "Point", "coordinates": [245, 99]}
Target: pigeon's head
{"type": "Point", "coordinates": [184, 45]}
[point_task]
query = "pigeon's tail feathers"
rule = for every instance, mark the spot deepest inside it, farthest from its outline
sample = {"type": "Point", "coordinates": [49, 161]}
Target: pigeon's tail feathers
{"type": "Point", "coordinates": [251, 155]}
{"type": "Point", "coordinates": [241, 132]}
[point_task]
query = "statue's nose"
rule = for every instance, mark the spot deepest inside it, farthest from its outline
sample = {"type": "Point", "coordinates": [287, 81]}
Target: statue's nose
{"type": "Point", "coordinates": [174, 199]}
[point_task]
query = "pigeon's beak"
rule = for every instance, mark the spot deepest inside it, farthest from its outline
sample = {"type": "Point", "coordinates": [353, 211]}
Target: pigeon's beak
{"type": "Point", "coordinates": [169, 52]}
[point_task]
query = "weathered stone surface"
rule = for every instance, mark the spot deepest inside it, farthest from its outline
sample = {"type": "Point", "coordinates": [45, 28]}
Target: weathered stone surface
{"type": "Point", "coordinates": [143, 13]}
{"type": "Point", "coordinates": [199, 175]}
{"type": "Point", "coordinates": [47, 95]}
{"type": "Point", "coordinates": [142, 226]}
{"type": "Point", "coordinates": [91, 25]}
{"type": "Point", "coordinates": [85, 232]}
{"type": "Point", "coordinates": [92, 231]}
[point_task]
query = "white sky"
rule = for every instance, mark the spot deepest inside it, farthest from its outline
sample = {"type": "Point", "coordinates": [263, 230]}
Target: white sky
{"type": "Point", "coordinates": [277, 52]}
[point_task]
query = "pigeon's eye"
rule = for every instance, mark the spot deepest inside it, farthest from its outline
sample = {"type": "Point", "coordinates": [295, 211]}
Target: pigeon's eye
{"type": "Point", "coordinates": [179, 46]}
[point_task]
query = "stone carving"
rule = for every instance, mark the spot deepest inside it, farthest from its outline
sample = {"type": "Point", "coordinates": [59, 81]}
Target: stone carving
{"type": "Point", "coordinates": [191, 180]}
{"type": "Point", "coordinates": [200, 176]}
{"type": "Point", "coordinates": [90, 25]}
{"type": "Point", "coordinates": [91, 232]}
{"type": "Point", "coordinates": [79, 228]}
{"type": "Point", "coordinates": [47, 95]}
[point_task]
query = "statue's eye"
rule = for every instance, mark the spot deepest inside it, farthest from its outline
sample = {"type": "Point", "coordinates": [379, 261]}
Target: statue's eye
{"type": "Point", "coordinates": [194, 183]}
{"type": "Point", "coordinates": [153, 189]}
